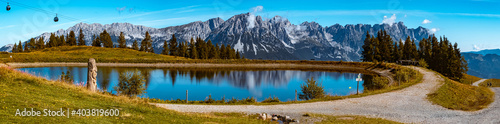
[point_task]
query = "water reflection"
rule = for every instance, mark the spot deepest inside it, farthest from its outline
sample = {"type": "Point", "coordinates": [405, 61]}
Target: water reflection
{"type": "Point", "coordinates": [172, 83]}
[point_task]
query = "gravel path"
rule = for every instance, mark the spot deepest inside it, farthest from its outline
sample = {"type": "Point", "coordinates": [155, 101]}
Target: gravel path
{"type": "Point", "coordinates": [409, 105]}
{"type": "Point", "coordinates": [478, 82]}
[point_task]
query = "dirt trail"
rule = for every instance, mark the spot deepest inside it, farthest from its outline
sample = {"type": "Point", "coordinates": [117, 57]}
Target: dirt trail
{"type": "Point", "coordinates": [409, 105]}
{"type": "Point", "coordinates": [478, 82]}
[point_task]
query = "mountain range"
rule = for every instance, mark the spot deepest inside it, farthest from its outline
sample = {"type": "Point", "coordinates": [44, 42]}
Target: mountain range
{"type": "Point", "coordinates": [258, 38]}
{"type": "Point", "coordinates": [484, 63]}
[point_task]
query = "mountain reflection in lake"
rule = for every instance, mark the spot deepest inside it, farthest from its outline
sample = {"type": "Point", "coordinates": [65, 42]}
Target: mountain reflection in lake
{"type": "Point", "coordinates": [171, 84]}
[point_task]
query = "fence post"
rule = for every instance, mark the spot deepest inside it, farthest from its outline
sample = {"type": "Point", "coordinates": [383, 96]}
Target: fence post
{"type": "Point", "coordinates": [186, 96]}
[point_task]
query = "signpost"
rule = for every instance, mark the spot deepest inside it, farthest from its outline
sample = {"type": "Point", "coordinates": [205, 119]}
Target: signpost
{"type": "Point", "coordinates": [358, 80]}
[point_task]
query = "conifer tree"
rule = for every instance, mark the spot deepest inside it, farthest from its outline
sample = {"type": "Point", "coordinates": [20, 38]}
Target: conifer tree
{"type": "Point", "coordinates": [146, 44]}
{"type": "Point", "coordinates": [174, 49]}
{"type": "Point", "coordinates": [210, 50]}
{"type": "Point", "coordinates": [183, 49]}
{"type": "Point", "coordinates": [52, 41]}
{"type": "Point", "coordinates": [135, 45]}
{"type": "Point", "coordinates": [71, 39]}
{"type": "Point", "coordinates": [81, 38]}
{"type": "Point", "coordinates": [376, 50]}
{"type": "Point", "coordinates": [166, 49]}
{"type": "Point", "coordinates": [14, 48]}
{"type": "Point", "coordinates": [122, 41]}
{"type": "Point", "coordinates": [238, 55]}
{"type": "Point", "coordinates": [106, 39]}
{"type": "Point", "coordinates": [193, 50]}
{"type": "Point", "coordinates": [367, 53]}
{"type": "Point", "coordinates": [217, 51]}
{"type": "Point", "coordinates": [20, 47]}
{"type": "Point", "coordinates": [40, 43]}
{"type": "Point", "coordinates": [96, 42]}
{"type": "Point", "coordinates": [62, 40]}
{"type": "Point", "coordinates": [223, 52]}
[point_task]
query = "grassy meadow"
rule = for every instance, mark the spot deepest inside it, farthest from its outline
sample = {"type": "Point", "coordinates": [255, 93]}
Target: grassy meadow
{"type": "Point", "coordinates": [459, 96]}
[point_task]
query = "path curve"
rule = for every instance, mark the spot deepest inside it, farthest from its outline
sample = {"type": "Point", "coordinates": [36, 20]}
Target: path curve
{"type": "Point", "coordinates": [409, 105]}
{"type": "Point", "coordinates": [478, 82]}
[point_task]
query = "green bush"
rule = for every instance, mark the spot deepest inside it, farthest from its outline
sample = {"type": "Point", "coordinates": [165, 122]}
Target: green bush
{"type": "Point", "coordinates": [404, 75]}
{"type": "Point", "coordinates": [271, 100]}
{"type": "Point", "coordinates": [379, 82]}
{"type": "Point", "coordinates": [66, 77]}
{"type": "Point", "coordinates": [311, 90]}
{"type": "Point", "coordinates": [423, 63]}
{"type": "Point", "coordinates": [131, 84]}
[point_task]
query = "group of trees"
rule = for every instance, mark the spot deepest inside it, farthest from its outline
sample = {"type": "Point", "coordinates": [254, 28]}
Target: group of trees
{"type": "Point", "coordinates": [200, 49]}
{"type": "Point", "coordinates": [441, 55]}
{"type": "Point", "coordinates": [54, 41]}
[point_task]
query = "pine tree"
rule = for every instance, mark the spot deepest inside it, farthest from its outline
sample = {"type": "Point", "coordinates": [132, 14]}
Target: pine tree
{"type": "Point", "coordinates": [52, 41]}
{"type": "Point", "coordinates": [222, 54]}
{"type": "Point", "coordinates": [20, 47]}
{"type": "Point", "coordinates": [135, 45]}
{"type": "Point", "coordinates": [81, 39]}
{"type": "Point", "coordinates": [376, 49]}
{"type": "Point", "coordinates": [40, 43]}
{"type": "Point", "coordinates": [146, 43]}
{"type": "Point", "coordinates": [122, 41]}
{"type": "Point", "coordinates": [229, 52]}
{"type": "Point", "coordinates": [183, 49]}
{"type": "Point", "coordinates": [106, 39]}
{"type": "Point", "coordinates": [217, 51]}
{"type": "Point", "coordinates": [367, 52]}
{"type": "Point", "coordinates": [210, 50]}
{"type": "Point", "coordinates": [193, 50]}
{"type": "Point", "coordinates": [14, 48]}
{"type": "Point", "coordinates": [32, 44]}
{"type": "Point", "coordinates": [174, 49]}
{"type": "Point", "coordinates": [396, 56]}
{"type": "Point", "coordinates": [96, 42]}
{"type": "Point", "coordinates": [238, 55]}
{"type": "Point", "coordinates": [71, 39]}
{"type": "Point", "coordinates": [26, 47]}
{"type": "Point", "coordinates": [62, 40]}
{"type": "Point", "coordinates": [414, 51]}
{"type": "Point", "coordinates": [166, 49]}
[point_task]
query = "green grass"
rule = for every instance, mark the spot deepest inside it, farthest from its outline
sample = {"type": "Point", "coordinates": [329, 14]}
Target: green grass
{"type": "Point", "coordinates": [457, 96]}
{"type": "Point", "coordinates": [494, 82]}
{"type": "Point", "coordinates": [469, 79]}
{"type": "Point", "coordinates": [350, 120]}
{"type": "Point", "coordinates": [19, 90]}
{"type": "Point", "coordinates": [83, 53]}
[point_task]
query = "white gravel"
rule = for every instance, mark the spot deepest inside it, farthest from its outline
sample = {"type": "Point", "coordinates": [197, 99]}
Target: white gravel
{"type": "Point", "coordinates": [409, 105]}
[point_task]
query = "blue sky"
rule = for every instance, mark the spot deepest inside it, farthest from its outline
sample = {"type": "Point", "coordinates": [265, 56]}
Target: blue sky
{"type": "Point", "coordinates": [474, 24]}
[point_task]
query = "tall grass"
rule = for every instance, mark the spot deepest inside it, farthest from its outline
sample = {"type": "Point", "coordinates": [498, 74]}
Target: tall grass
{"type": "Point", "coordinates": [458, 96]}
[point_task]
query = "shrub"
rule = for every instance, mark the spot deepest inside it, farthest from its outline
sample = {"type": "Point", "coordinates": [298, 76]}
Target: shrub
{"type": "Point", "coordinates": [379, 82]}
{"type": "Point", "coordinates": [131, 84]}
{"type": "Point", "coordinates": [66, 77]}
{"type": "Point", "coordinates": [404, 75]}
{"type": "Point", "coordinates": [209, 99]}
{"type": "Point", "coordinates": [422, 63]}
{"type": "Point", "coordinates": [311, 90]}
{"type": "Point", "coordinates": [271, 100]}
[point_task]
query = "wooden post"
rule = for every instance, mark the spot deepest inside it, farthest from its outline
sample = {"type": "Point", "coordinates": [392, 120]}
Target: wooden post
{"type": "Point", "coordinates": [295, 95]}
{"type": "Point", "coordinates": [186, 96]}
{"type": "Point", "coordinates": [357, 89]}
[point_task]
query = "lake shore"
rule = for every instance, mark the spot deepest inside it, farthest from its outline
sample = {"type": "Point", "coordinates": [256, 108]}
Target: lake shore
{"type": "Point", "coordinates": [291, 66]}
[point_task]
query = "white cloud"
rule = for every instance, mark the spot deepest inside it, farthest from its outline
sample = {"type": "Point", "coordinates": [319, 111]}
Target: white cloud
{"type": "Point", "coordinates": [426, 21]}
{"type": "Point", "coordinates": [256, 9]}
{"type": "Point", "coordinates": [390, 20]}
{"type": "Point", "coordinates": [433, 30]}
{"type": "Point", "coordinates": [8, 26]}
{"type": "Point", "coordinates": [475, 47]}
{"type": "Point", "coordinates": [251, 17]}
